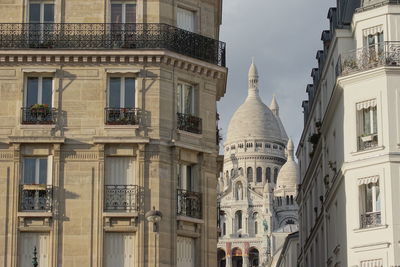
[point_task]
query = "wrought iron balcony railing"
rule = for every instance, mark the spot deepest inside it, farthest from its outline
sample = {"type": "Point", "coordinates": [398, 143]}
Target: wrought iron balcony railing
{"type": "Point", "coordinates": [369, 57]}
{"type": "Point", "coordinates": [35, 197]}
{"type": "Point", "coordinates": [367, 142]}
{"type": "Point", "coordinates": [111, 36]}
{"type": "Point", "coordinates": [38, 115]}
{"type": "Point", "coordinates": [189, 204]}
{"type": "Point", "coordinates": [121, 198]}
{"type": "Point", "coordinates": [370, 219]}
{"type": "Point", "coordinates": [122, 116]}
{"type": "Point", "coordinates": [189, 123]}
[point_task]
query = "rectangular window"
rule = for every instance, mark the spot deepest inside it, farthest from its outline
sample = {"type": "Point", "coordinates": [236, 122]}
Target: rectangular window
{"type": "Point", "coordinates": [188, 196]}
{"type": "Point", "coordinates": [35, 171]}
{"type": "Point", "coordinates": [123, 12]}
{"type": "Point", "coordinates": [367, 124]}
{"type": "Point", "coordinates": [120, 171]}
{"type": "Point", "coordinates": [27, 242]}
{"type": "Point", "coordinates": [118, 250]}
{"type": "Point", "coordinates": [186, 99]}
{"type": "Point", "coordinates": [186, 19]}
{"type": "Point", "coordinates": [39, 90]}
{"type": "Point", "coordinates": [187, 177]}
{"type": "Point", "coordinates": [185, 252]}
{"type": "Point", "coordinates": [121, 92]}
{"type": "Point", "coordinates": [41, 12]}
{"type": "Point", "coordinates": [370, 202]}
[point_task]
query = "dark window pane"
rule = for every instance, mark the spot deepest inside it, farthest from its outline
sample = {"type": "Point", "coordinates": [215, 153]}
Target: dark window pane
{"type": "Point", "coordinates": [49, 13]}
{"type": "Point", "coordinates": [130, 16]}
{"type": "Point", "coordinates": [129, 92]}
{"type": "Point", "coordinates": [29, 170]}
{"type": "Point", "coordinates": [43, 171]}
{"type": "Point", "coordinates": [116, 13]}
{"type": "Point", "coordinates": [115, 93]}
{"type": "Point", "coordinates": [32, 91]}
{"type": "Point", "coordinates": [47, 88]}
{"type": "Point", "coordinates": [34, 13]}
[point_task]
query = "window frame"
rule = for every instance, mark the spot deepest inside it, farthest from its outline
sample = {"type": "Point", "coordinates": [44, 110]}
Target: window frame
{"type": "Point", "coordinates": [40, 88]}
{"type": "Point", "coordinates": [122, 89]}
{"type": "Point", "coordinates": [41, 12]}
{"type": "Point", "coordinates": [37, 170]}
{"type": "Point", "coordinates": [180, 100]}
{"type": "Point", "coordinates": [195, 17]}
{"type": "Point", "coordinates": [123, 3]}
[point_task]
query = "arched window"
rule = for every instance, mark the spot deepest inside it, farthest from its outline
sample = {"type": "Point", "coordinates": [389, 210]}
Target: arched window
{"type": "Point", "coordinates": [275, 175]}
{"type": "Point", "coordinates": [268, 175]}
{"type": "Point", "coordinates": [291, 200]}
{"type": "Point", "coordinates": [290, 221]}
{"type": "Point", "coordinates": [232, 173]}
{"type": "Point", "coordinates": [256, 228]}
{"type": "Point", "coordinates": [259, 175]}
{"type": "Point", "coordinates": [250, 174]}
{"type": "Point", "coordinates": [224, 229]}
{"type": "Point", "coordinates": [238, 219]}
{"type": "Point", "coordinates": [287, 200]}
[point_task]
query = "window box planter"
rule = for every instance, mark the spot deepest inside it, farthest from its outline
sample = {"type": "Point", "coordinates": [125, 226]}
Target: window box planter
{"type": "Point", "coordinates": [368, 138]}
{"type": "Point", "coordinates": [34, 187]}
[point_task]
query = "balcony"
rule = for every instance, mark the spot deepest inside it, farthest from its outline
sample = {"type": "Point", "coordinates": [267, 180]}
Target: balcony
{"type": "Point", "coordinates": [111, 36]}
{"type": "Point", "coordinates": [370, 219]}
{"type": "Point", "coordinates": [121, 198]}
{"type": "Point", "coordinates": [122, 116]}
{"type": "Point", "coordinates": [370, 57]}
{"type": "Point", "coordinates": [189, 123]}
{"type": "Point", "coordinates": [367, 142]}
{"type": "Point", "coordinates": [189, 204]}
{"type": "Point", "coordinates": [38, 115]}
{"type": "Point", "coordinates": [35, 197]}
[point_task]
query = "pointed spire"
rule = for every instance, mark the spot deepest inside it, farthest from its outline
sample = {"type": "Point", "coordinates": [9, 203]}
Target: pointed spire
{"type": "Point", "coordinates": [290, 149]}
{"type": "Point", "coordinates": [274, 107]}
{"type": "Point", "coordinates": [253, 79]}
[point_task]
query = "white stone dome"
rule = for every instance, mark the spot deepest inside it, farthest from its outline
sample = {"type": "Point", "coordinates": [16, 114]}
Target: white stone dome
{"type": "Point", "coordinates": [253, 119]}
{"type": "Point", "coordinates": [288, 176]}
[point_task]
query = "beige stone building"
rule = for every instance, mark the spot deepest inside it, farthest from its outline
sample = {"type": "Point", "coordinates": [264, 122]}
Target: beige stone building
{"type": "Point", "coordinates": [108, 109]}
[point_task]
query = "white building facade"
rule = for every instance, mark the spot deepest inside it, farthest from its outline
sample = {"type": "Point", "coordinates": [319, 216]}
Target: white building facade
{"type": "Point", "coordinates": [253, 220]}
{"type": "Point", "coordinates": [349, 150]}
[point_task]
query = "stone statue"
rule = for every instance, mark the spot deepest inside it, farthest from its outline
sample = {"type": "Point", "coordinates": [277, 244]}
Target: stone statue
{"type": "Point", "coordinates": [265, 224]}
{"type": "Point", "coordinates": [240, 192]}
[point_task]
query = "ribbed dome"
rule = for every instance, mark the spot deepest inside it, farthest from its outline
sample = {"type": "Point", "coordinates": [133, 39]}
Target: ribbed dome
{"type": "Point", "coordinates": [253, 118]}
{"type": "Point", "coordinates": [289, 174]}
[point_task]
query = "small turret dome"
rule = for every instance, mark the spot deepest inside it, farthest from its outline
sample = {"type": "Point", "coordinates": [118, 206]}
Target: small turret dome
{"type": "Point", "coordinates": [289, 174]}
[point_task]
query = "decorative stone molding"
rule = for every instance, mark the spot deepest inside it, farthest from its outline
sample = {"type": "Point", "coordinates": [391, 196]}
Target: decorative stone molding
{"type": "Point", "coordinates": [79, 155]}
{"type": "Point", "coordinates": [6, 155]}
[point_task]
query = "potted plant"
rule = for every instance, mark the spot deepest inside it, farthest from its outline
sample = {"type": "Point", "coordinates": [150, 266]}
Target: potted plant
{"type": "Point", "coordinates": [41, 109]}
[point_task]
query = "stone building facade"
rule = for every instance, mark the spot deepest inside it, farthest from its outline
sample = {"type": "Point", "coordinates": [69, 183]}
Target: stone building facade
{"type": "Point", "coordinates": [349, 150]}
{"type": "Point", "coordinates": [258, 185]}
{"type": "Point", "coordinates": [108, 110]}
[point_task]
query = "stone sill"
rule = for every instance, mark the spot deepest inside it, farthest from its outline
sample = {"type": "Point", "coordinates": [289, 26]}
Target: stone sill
{"type": "Point", "coordinates": [116, 126]}
{"type": "Point", "coordinates": [120, 229]}
{"type": "Point", "coordinates": [35, 214]}
{"type": "Point", "coordinates": [120, 214]}
{"type": "Point", "coordinates": [189, 219]}
{"type": "Point", "coordinates": [35, 229]}
{"type": "Point", "coordinates": [378, 227]}
{"type": "Point", "coordinates": [37, 126]}
{"type": "Point", "coordinates": [378, 148]}
{"type": "Point", "coordinates": [189, 134]}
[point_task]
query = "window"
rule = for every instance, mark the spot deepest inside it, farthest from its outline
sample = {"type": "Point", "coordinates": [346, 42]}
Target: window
{"type": "Point", "coordinates": [120, 191]}
{"type": "Point", "coordinates": [291, 200]}
{"type": "Point", "coordinates": [186, 99]}
{"type": "Point", "coordinates": [186, 252]}
{"type": "Point", "coordinates": [267, 145]}
{"type": "Point", "coordinates": [240, 171]}
{"type": "Point", "coordinates": [188, 196]}
{"type": "Point", "coordinates": [367, 126]}
{"type": "Point", "coordinates": [39, 90]}
{"type": "Point", "coordinates": [268, 175]}
{"type": "Point", "coordinates": [250, 174]}
{"type": "Point", "coordinates": [118, 249]}
{"type": "Point", "coordinates": [40, 17]}
{"type": "Point", "coordinates": [27, 242]}
{"type": "Point", "coordinates": [186, 19]}
{"type": "Point", "coordinates": [35, 171]}
{"type": "Point", "coordinates": [232, 173]}
{"type": "Point", "coordinates": [370, 202]}
{"type": "Point", "coordinates": [238, 219]}
{"type": "Point", "coordinates": [187, 177]}
{"type": "Point", "coordinates": [123, 12]}
{"type": "Point", "coordinates": [287, 200]}
{"type": "Point", "coordinates": [41, 12]}
{"type": "Point", "coordinates": [374, 43]}
{"type": "Point", "coordinates": [275, 175]}
{"type": "Point", "coordinates": [255, 218]}
{"type": "Point", "coordinates": [259, 175]}
{"type": "Point", "coordinates": [121, 92]}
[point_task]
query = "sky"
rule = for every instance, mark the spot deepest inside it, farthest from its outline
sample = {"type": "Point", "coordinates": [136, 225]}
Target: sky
{"type": "Point", "coordinates": [283, 36]}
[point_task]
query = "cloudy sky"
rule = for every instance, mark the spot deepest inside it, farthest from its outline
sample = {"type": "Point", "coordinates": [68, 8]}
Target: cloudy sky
{"type": "Point", "coordinates": [283, 36]}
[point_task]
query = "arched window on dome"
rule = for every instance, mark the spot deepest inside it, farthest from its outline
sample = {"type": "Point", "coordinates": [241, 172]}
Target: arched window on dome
{"type": "Point", "coordinates": [287, 200]}
{"type": "Point", "coordinates": [268, 175]}
{"type": "Point", "coordinates": [291, 200]}
{"type": "Point", "coordinates": [250, 174]}
{"type": "Point", "coordinates": [259, 175]}
{"type": "Point", "coordinates": [275, 175]}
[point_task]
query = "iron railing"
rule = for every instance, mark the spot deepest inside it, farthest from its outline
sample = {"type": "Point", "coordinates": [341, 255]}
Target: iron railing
{"type": "Point", "coordinates": [370, 219]}
{"type": "Point", "coordinates": [35, 197]}
{"type": "Point", "coordinates": [121, 198]}
{"type": "Point", "coordinates": [369, 57]}
{"type": "Point", "coordinates": [38, 115]}
{"type": "Point", "coordinates": [367, 142]}
{"type": "Point", "coordinates": [111, 36]}
{"type": "Point", "coordinates": [122, 116]}
{"type": "Point", "coordinates": [189, 204]}
{"type": "Point", "coordinates": [189, 123]}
